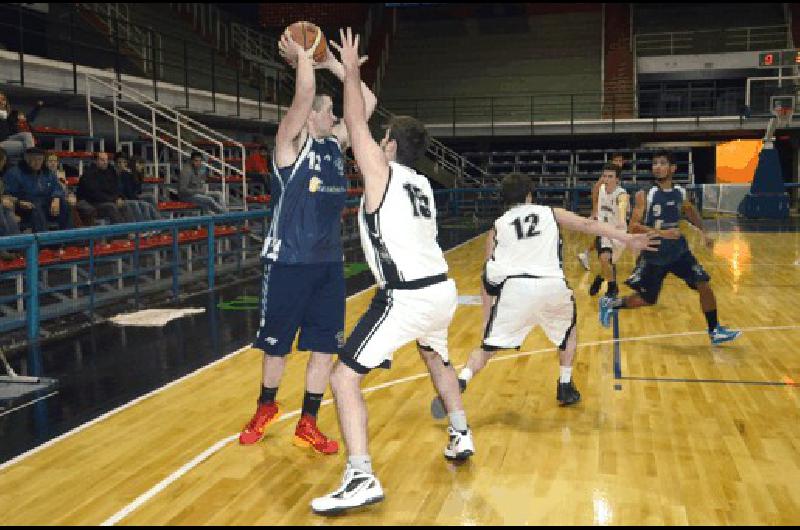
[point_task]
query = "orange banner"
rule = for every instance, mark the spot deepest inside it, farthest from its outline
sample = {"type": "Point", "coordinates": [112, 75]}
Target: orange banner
{"type": "Point", "coordinates": [737, 161]}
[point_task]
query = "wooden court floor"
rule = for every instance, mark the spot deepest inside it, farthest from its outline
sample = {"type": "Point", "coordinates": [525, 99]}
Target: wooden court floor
{"type": "Point", "coordinates": [670, 430]}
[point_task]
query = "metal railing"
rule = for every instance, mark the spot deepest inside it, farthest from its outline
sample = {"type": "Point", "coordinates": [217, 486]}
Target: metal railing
{"type": "Point", "coordinates": [117, 20]}
{"type": "Point", "coordinates": [712, 41]}
{"type": "Point", "coordinates": [73, 41]}
{"type": "Point", "coordinates": [33, 288]}
{"type": "Point", "coordinates": [174, 141]}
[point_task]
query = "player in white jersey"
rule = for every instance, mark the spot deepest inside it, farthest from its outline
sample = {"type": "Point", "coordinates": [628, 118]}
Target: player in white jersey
{"type": "Point", "coordinates": [415, 300]}
{"type": "Point", "coordinates": [524, 281]}
{"type": "Point", "coordinates": [612, 207]}
{"type": "Point", "coordinates": [618, 160]}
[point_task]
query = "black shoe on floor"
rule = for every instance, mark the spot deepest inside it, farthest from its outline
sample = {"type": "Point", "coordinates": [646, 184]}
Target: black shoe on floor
{"type": "Point", "coordinates": [596, 285]}
{"type": "Point", "coordinates": [567, 394]}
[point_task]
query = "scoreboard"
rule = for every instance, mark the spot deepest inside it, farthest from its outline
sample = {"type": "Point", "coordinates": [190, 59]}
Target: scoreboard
{"type": "Point", "coordinates": [779, 58]}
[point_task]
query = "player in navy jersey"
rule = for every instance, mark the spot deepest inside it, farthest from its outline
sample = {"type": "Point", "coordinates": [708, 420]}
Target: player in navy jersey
{"type": "Point", "coordinates": [659, 210]}
{"type": "Point", "coordinates": [303, 286]}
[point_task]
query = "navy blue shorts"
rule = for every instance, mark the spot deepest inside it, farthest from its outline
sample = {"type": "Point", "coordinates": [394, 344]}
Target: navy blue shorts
{"type": "Point", "coordinates": [647, 278]}
{"type": "Point", "coordinates": [310, 298]}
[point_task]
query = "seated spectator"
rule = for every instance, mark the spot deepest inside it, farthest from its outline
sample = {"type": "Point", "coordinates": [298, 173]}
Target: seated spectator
{"type": "Point", "coordinates": [51, 162]}
{"type": "Point", "coordinates": [192, 187]}
{"type": "Point", "coordinates": [9, 221]}
{"type": "Point", "coordinates": [40, 198]}
{"type": "Point", "coordinates": [131, 185]}
{"type": "Point", "coordinates": [257, 164]}
{"type": "Point", "coordinates": [99, 193]}
{"type": "Point", "coordinates": [15, 135]}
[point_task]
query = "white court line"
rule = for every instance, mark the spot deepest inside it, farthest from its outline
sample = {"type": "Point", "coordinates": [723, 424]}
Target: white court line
{"type": "Point", "coordinates": [161, 486]}
{"type": "Point", "coordinates": [9, 411]}
{"type": "Point", "coordinates": [138, 400]}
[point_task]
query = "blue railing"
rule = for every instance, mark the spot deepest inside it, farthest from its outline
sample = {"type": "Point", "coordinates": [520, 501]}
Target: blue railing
{"type": "Point", "coordinates": [32, 245]}
{"type": "Point", "coordinates": [450, 203]}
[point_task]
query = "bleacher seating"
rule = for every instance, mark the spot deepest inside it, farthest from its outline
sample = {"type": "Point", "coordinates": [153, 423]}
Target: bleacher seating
{"type": "Point", "coordinates": [555, 53]}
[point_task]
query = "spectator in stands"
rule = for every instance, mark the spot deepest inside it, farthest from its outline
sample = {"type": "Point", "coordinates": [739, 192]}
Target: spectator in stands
{"type": "Point", "coordinates": [9, 221]}
{"type": "Point", "coordinates": [15, 135]}
{"type": "Point", "coordinates": [40, 198]}
{"type": "Point", "coordinates": [618, 159]}
{"type": "Point", "coordinates": [192, 187]}
{"type": "Point", "coordinates": [131, 186]}
{"type": "Point", "coordinates": [257, 164]}
{"type": "Point", "coordinates": [100, 194]}
{"type": "Point", "coordinates": [52, 164]}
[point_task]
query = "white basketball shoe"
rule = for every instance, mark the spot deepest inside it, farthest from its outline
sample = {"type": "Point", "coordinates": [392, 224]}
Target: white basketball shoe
{"type": "Point", "coordinates": [460, 445]}
{"type": "Point", "coordinates": [358, 489]}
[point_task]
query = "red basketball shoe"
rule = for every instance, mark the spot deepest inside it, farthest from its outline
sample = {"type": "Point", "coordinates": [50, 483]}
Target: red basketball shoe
{"type": "Point", "coordinates": [307, 434]}
{"type": "Point", "coordinates": [253, 432]}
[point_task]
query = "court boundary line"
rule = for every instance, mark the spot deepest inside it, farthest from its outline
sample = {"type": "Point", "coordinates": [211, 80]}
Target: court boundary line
{"type": "Point", "coordinates": [75, 430]}
{"type": "Point", "coordinates": [205, 455]}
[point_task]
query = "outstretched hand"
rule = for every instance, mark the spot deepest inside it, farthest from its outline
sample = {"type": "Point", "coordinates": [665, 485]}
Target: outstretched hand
{"type": "Point", "coordinates": [290, 50]}
{"type": "Point", "coordinates": [348, 50]}
{"type": "Point", "coordinates": [649, 241]}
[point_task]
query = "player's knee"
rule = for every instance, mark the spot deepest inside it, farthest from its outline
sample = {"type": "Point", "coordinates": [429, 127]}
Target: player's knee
{"type": "Point", "coordinates": [339, 377]}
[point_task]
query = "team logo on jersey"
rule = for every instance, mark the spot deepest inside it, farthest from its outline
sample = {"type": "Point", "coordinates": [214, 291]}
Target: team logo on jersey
{"type": "Point", "coordinates": [327, 158]}
{"type": "Point", "coordinates": [339, 165]}
{"type": "Point", "coordinates": [340, 339]}
{"type": "Point", "coordinates": [314, 184]}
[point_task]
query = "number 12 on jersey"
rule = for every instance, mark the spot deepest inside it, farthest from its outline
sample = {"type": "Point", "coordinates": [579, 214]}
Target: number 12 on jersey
{"type": "Point", "coordinates": [531, 221]}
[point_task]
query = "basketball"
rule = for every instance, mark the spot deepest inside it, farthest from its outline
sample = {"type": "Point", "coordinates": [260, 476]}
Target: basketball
{"type": "Point", "coordinates": [310, 36]}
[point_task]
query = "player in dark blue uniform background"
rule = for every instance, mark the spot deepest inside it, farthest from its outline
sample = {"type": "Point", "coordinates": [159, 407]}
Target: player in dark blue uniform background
{"type": "Point", "coordinates": [660, 210]}
{"type": "Point", "coordinates": [303, 287]}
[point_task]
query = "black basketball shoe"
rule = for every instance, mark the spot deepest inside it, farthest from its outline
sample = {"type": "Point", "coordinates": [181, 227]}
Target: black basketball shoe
{"type": "Point", "coordinates": [596, 285]}
{"type": "Point", "coordinates": [567, 394]}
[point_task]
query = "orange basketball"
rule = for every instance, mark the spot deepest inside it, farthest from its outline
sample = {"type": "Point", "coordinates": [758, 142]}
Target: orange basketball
{"type": "Point", "coordinates": [310, 36]}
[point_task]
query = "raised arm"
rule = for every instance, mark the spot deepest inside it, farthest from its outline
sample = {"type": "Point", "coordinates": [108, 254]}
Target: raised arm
{"type": "Point", "coordinates": [571, 221]}
{"type": "Point", "coordinates": [286, 145]}
{"type": "Point", "coordinates": [369, 156]}
{"type": "Point", "coordinates": [370, 101]}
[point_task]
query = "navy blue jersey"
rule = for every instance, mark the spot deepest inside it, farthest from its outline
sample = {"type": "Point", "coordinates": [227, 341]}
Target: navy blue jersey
{"type": "Point", "coordinates": [307, 202]}
{"type": "Point", "coordinates": [664, 211]}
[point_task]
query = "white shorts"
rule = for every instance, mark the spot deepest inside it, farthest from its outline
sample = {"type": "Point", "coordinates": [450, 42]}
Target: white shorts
{"type": "Point", "coordinates": [616, 247]}
{"type": "Point", "coordinates": [396, 317]}
{"type": "Point", "coordinates": [527, 302]}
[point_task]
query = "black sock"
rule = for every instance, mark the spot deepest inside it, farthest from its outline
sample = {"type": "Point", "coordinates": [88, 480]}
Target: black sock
{"type": "Point", "coordinates": [311, 403]}
{"type": "Point", "coordinates": [267, 395]}
{"type": "Point", "coordinates": [462, 385]}
{"type": "Point", "coordinates": [612, 289]}
{"type": "Point", "coordinates": [711, 318]}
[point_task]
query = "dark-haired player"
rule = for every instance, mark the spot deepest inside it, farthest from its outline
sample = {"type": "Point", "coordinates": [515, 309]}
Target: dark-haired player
{"type": "Point", "coordinates": [524, 277]}
{"type": "Point", "coordinates": [659, 211]}
{"type": "Point", "coordinates": [415, 300]}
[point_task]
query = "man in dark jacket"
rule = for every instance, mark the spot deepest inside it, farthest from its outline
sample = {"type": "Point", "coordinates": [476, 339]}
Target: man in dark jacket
{"type": "Point", "coordinates": [15, 134]}
{"type": "Point", "coordinates": [40, 198]}
{"type": "Point", "coordinates": [99, 192]}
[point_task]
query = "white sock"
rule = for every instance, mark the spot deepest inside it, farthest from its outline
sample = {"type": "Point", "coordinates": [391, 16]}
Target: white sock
{"type": "Point", "coordinates": [466, 374]}
{"type": "Point", "coordinates": [458, 420]}
{"type": "Point", "coordinates": [362, 463]}
{"type": "Point", "coordinates": [566, 374]}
